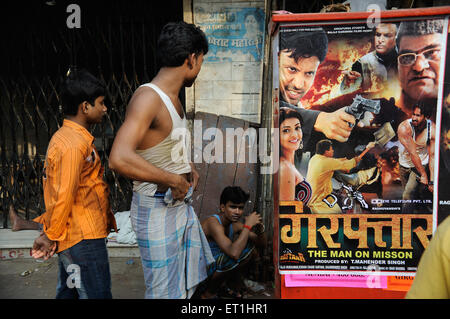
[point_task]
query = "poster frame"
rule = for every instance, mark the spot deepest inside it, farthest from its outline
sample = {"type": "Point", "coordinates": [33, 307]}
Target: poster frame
{"type": "Point", "coordinates": [330, 18]}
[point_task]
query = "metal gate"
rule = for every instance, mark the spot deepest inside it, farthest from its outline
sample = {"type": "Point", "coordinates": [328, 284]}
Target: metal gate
{"type": "Point", "coordinates": [116, 42]}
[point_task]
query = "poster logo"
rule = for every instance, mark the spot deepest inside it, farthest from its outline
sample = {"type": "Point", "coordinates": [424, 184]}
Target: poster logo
{"type": "Point", "coordinates": [289, 257]}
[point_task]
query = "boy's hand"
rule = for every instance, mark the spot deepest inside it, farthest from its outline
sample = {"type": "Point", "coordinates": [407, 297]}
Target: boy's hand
{"type": "Point", "coordinates": [43, 247]}
{"type": "Point", "coordinates": [252, 219]}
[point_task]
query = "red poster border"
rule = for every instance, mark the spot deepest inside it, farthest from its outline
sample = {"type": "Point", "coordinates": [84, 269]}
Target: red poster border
{"type": "Point", "coordinates": [281, 291]}
{"type": "Point", "coordinates": [336, 16]}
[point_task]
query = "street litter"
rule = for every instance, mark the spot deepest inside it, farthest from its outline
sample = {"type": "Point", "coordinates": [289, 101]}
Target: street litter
{"type": "Point", "coordinates": [253, 286]}
{"type": "Point", "coordinates": [26, 273]}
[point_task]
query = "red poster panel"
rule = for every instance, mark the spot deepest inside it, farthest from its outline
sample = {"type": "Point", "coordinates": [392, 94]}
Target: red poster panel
{"type": "Point", "coordinates": [359, 114]}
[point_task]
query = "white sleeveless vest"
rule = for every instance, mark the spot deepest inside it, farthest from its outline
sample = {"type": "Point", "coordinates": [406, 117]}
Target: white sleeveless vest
{"type": "Point", "coordinates": [172, 153]}
{"type": "Point", "coordinates": [422, 151]}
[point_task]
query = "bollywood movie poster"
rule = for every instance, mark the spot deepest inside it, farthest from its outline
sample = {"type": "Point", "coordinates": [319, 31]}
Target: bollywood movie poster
{"type": "Point", "coordinates": [360, 197]}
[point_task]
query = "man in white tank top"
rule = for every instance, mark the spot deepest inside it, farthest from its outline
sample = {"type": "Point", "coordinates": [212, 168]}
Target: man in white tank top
{"type": "Point", "coordinates": [148, 122]}
{"type": "Point", "coordinates": [143, 151]}
{"type": "Point", "coordinates": [416, 152]}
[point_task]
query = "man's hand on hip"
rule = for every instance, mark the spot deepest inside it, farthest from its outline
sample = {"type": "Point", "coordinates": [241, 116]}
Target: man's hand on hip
{"type": "Point", "coordinates": [179, 187]}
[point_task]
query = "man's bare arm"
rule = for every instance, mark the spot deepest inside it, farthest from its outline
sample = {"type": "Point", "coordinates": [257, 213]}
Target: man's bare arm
{"type": "Point", "coordinates": [232, 249]}
{"type": "Point", "coordinates": [142, 111]}
{"type": "Point", "coordinates": [260, 239]}
{"type": "Point", "coordinates": [405, 137]}
{"type": "Point", "coordinates": [366, 150]}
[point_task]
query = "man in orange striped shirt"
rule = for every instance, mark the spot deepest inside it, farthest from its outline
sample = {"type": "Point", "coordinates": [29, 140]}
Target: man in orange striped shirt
{"type": "Point", "coordinates": [78, 217]}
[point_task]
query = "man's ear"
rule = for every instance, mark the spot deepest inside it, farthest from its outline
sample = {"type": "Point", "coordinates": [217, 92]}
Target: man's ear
{"type": "Point", "coordinates": [84, 107]}
{"type": "Point", "coordinates": [190, 60]}
{"type": "Point", "coordinates": [222, 207]}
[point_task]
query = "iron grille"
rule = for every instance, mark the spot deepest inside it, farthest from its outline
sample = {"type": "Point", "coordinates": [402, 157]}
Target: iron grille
{"type": "Point", "coordinates": [116, 42]}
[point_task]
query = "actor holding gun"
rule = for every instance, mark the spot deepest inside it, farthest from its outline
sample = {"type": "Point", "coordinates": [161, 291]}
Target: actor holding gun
{"type": "Point", "coordinates": [299, 58]}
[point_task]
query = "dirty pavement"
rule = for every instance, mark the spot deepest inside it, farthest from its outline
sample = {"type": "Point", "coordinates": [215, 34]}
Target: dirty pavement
{"type": "Point", "coordinates": [26, 278]}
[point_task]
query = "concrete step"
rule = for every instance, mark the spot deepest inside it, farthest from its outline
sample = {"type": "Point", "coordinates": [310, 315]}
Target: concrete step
{"type": "Point", "coordinates": [18, 245]}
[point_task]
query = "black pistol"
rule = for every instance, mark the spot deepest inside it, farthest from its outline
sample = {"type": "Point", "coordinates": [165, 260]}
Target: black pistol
{"type": "Point", "coordinates": [361, 105]}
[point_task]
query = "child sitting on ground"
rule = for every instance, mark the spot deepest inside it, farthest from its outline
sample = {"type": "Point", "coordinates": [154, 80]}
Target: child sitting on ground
{"type": "Point", "coordinates": [231, 256]}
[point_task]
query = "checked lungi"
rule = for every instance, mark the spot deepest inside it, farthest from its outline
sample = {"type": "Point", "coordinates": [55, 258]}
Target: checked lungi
{"type": "Point", "coordinates": [225, 263]}
{"type": "Point", "coordinates": [175, 253]}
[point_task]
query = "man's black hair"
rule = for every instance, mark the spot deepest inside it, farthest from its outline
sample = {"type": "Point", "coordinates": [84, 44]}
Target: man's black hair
{"type": "Point", "coordinates": [322, 146]}
{"type": "Point", "coordinates": [80, 86]}
{"type": "Point", "coordinates": [425, 109]}
{"type": "Point", "coordinates": [177, 41]}
{"type": "Point", "coordinates": [305, 44]}
{"type": "Point", "coordinates": [233, 194]}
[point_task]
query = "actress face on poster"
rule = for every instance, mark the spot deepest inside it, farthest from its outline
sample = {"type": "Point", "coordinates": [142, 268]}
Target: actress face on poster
{"type": "Point", "coordinates": [290, 141]}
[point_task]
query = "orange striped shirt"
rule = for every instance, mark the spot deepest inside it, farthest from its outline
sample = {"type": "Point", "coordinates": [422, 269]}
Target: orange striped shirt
{"type": "Point", "coordinates": [75, 195]}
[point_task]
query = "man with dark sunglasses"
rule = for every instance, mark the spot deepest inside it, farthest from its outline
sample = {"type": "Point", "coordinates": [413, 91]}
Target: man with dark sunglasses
{"type": "Point", "coordinates": [419, 45]}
